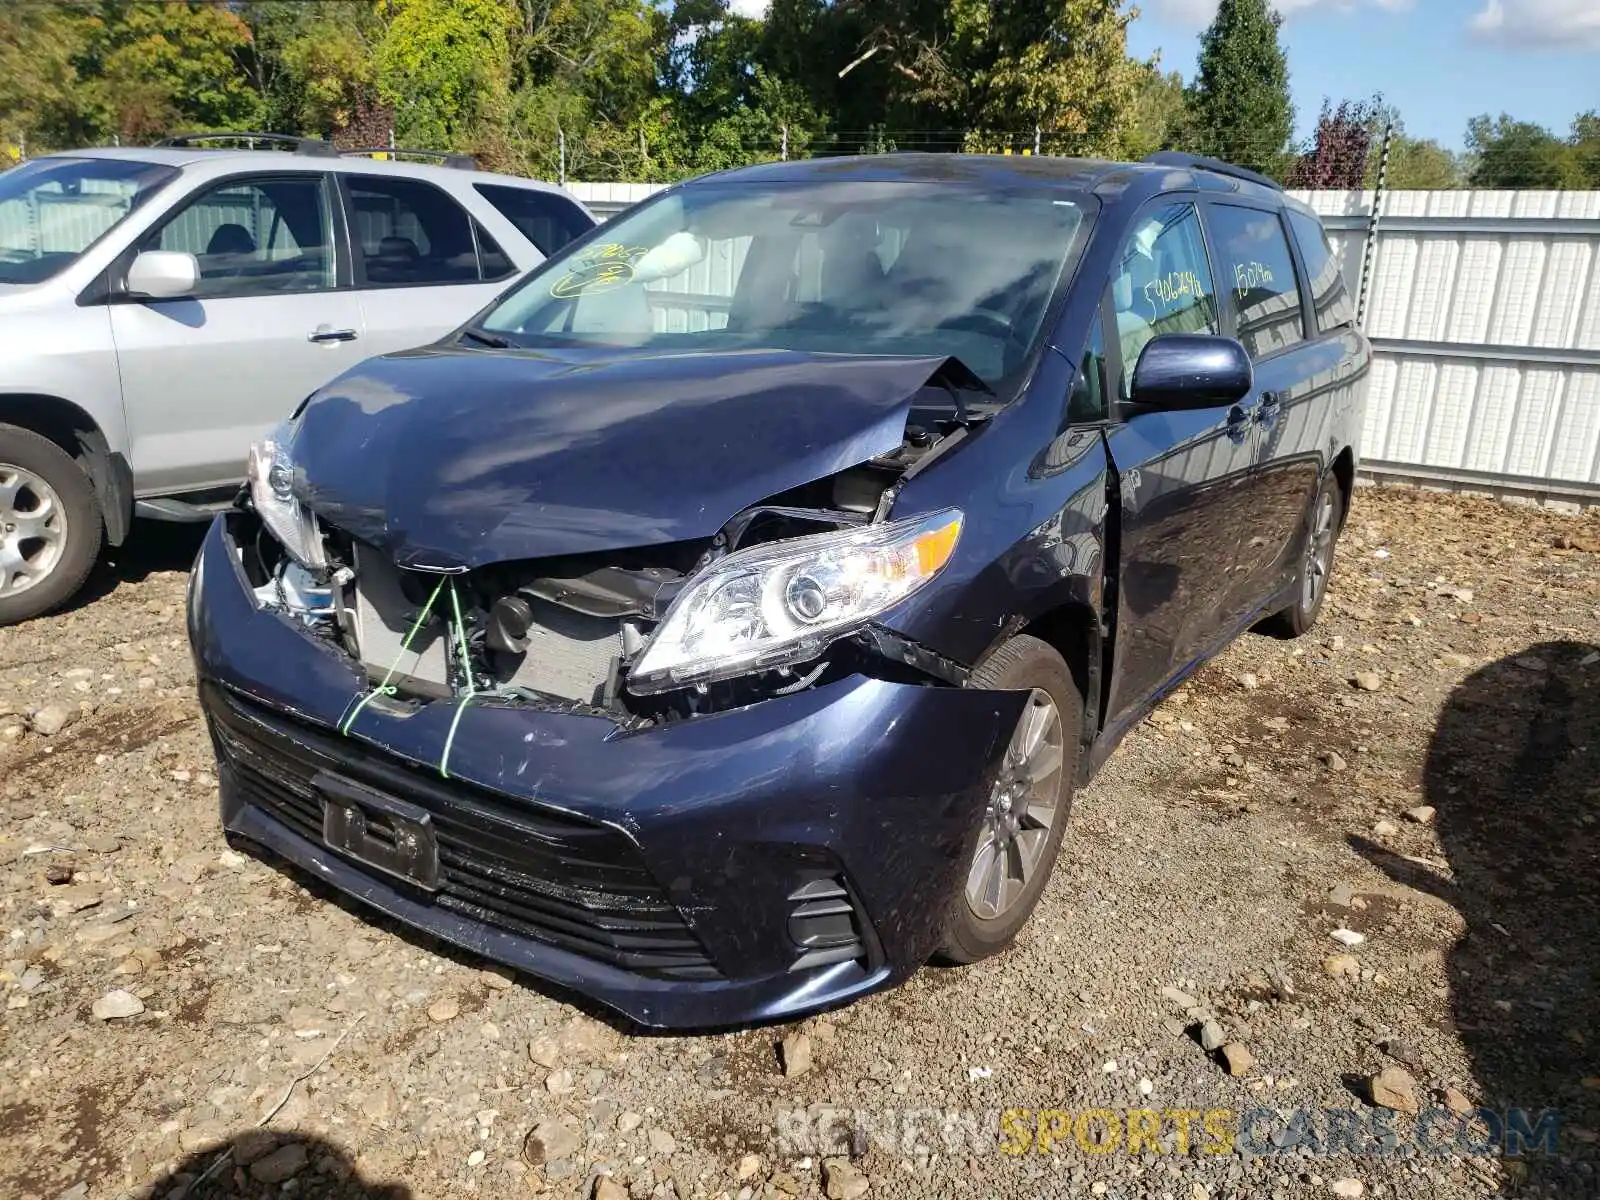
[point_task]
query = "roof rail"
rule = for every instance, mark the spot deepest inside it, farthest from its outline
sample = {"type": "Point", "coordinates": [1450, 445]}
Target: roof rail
{"type": "Point", "coordinates": [447, 158]}
{"type": "Point", "coordinates": [315, 147]}
{"type": "Point", "coordinates": [1198, 162]}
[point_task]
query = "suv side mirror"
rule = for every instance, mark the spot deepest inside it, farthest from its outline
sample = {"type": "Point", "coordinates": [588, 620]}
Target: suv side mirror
{"type": "Point", "coordinates": [1191, 370]}
{"type": "Point", "coordinates": [163, 275]}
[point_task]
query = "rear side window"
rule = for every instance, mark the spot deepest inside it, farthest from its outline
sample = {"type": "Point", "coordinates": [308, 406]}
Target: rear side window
{"type": "Point", "coordinates": [493, 260]}
{"type": "Point", "coordinates": [1161, 283]}
{"type": "Point", "coordinates": [254, 237]}
{"type": "Point", "coordinates": [547, 220]}
{"type": "Point", "coordinates": [1328, 294]}
{"type": "Point", "coordinates": [1258, 272]}
{"type": "Point", "coordinates": [409, 233]}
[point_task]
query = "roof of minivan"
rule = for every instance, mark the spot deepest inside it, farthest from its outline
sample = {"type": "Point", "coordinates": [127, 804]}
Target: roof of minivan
{"type": "Point", "coordinates": [233, 160]}
{"type": "Point", "coordinates": [1104, 179]}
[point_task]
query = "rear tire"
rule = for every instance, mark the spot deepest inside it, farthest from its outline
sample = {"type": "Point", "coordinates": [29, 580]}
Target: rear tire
{"type": "Point", "coordinates": [50, 525]}
{"type": "Point", "coordinates": [1323, 523]}
{"type": "Point", "coordinates": [1016, 844]}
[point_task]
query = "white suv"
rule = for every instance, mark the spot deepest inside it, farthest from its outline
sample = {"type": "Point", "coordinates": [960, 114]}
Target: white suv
{"type": "Point", "coordinates": [162, 308]}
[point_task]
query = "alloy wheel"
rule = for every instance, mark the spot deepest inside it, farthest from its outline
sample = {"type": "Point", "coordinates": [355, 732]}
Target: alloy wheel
{"type": "Point", "coordinates": [1022, 810]}
{"type": "Point", "coordinates": [1319, 554]}
{"type": "Point", "coordinates": [33, 529]}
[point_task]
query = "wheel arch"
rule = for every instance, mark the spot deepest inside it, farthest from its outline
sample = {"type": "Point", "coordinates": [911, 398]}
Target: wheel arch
{"type": "Point", "coordinates": [1344, 470]}
{"type": "Point", "coordinates": [1072, 629]}
{"type": "Point", "coordinates": [79, 435]}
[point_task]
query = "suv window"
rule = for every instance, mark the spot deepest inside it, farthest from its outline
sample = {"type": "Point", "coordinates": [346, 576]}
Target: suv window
{"type": "Point", "coordinates": [1161, 283]}
{"type": "Point", "coordinates": [406, 232]}
{"type": "Point", "coordinates": [1254, 258]}
{"type": "Point", "coordinates": [255, 237]}
{"type": "Point", "coordinates": [1328, 295]}
{"type": "Point", "coordinates": [547, 220]}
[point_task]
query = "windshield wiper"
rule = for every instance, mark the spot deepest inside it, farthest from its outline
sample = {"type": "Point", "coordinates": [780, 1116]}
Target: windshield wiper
{"type": "Point", "coordinates": [484, 338]}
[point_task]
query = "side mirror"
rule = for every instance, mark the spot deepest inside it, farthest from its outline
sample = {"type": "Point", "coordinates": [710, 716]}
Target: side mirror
{"type": "Point", "coordinates": [1191, 370]}
{"type": "Point", "coordinates": [163, 275]}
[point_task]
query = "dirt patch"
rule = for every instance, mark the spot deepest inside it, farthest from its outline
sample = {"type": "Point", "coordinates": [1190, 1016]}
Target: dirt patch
{"type": "Point", "coordinates": [1206, 859]}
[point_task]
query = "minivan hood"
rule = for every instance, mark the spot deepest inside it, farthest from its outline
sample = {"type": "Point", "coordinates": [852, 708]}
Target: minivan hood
{"type": "Point", "coordinates": [451, 458]}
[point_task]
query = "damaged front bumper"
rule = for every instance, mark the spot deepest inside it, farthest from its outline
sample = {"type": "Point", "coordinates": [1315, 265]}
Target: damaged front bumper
{"type": "Point", "coordinates": [741, 866]}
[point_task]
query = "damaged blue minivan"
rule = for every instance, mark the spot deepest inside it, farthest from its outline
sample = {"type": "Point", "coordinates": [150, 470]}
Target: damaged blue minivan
{"type": "Point", "coordinates": [720, 624]}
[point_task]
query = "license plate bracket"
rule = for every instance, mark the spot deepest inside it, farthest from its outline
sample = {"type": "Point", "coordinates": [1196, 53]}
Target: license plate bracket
{"type": "Point", "coordinates": [380, 830]}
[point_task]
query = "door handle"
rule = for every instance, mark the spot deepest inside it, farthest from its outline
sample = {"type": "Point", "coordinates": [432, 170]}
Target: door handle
{"type": "Point", "coordinates": [326, 333]}
{"type": "Point", "coordinates": [1237, 424]}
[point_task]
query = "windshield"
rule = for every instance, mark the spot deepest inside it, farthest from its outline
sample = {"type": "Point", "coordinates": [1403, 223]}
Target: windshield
{"type": "Point", "coordinates": [855, 268]}
{"type": "Point", "coordinates": [53, 209]}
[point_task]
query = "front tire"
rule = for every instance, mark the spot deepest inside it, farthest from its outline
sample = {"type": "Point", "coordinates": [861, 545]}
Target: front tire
{"type": "Point", "coordinates": [1019, 838]}
{"type": "Point", "coordinates": [50, 525]}
{"type": "Point", "coordinates": [1323, 523]}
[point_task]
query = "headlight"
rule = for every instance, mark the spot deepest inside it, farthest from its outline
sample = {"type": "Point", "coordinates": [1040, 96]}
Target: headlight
{"type": "Point", "coordinates": [771, 606]}
{"type": "Point", "coordinates": [271, 491]}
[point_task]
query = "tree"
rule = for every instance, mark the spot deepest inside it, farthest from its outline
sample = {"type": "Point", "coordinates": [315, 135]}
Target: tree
{"type": "Point", "coordinates": [445, 68]}
{"type": "Point", "coordinates": [1339, 148]}
{"type": "Point", "coordinates": [979, 74]}
{"type": "Point", "coordinates": [1238, 108]}
{"type": "Point", "coordinates": [1586, 149]}
{"type": "Point", "coordinates": [44, 102]}
{"type": "Point", "coordinates": [1156, 117]}
{"type": "Point", "coordinates": [1417, 163]}
{"type": "Point", "coordinates": [1519, 154]}
{"type": "Point", "coordinates": [314, 64]}
{"type": "Point", "coordinates": [161, 66]}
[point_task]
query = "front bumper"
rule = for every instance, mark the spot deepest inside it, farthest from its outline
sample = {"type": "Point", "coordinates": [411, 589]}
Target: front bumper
{"type": "Point", "coordinates": [658, 871]}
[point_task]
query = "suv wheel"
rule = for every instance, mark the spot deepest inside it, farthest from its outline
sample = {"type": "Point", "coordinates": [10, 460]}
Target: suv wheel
{"type": "Point", "coordinates": [1316, 563]}
{"type": "Point", "coordinates": [1020, 835]}
{"type": "Point", "coordinates": [50, 525]}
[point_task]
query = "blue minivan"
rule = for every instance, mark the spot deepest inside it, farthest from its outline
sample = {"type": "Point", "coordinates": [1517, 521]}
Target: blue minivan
{"type": "Point", "coordinates": [721, 623]}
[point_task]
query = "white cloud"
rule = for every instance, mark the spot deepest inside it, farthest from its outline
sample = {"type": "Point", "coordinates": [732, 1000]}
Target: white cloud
{"type": "Point", "coordinates": [748, 8]}
{"type": "Point", "coordinates": [1556, 24]}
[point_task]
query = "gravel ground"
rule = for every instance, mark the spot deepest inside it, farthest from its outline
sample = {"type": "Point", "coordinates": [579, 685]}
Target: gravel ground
{"type": "Point", "coordinates": [1259, 810]}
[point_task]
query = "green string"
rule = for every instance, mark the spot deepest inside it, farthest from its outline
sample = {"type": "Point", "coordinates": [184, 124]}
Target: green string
{"type": "Point", "coordinates": [383, 689]}
{"type": "Point", "coordinates": [466, 667]}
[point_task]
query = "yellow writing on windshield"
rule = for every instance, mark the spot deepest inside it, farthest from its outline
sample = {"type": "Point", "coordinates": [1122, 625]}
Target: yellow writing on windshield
{"type": "Point", "coordinates": [600, 270]}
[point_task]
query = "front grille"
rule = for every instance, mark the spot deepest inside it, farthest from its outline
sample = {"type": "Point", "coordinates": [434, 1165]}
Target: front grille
{"type": "Point", "coordinates": [550, 877]}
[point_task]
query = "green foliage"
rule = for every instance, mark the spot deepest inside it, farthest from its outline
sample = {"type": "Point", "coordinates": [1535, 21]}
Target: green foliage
{"type": "Point", "coordinates": [655, 90]}
{"type": "Point", "coordinates": [1418, 163]}
{"type": "Point", "coordinates": [42, 97]}
{"type": "Point", "coordinates": [1238, 108]}
{"type": "Point", "coordinates": [1156, 116]}
{"type": "Point", "coordinates": [1520, 154]}
{"type": "Point", "coordinates": [444, 67]}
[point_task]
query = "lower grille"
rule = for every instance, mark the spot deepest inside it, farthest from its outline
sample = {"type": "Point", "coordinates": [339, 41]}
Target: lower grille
{"type": "Point", "coordinates": [549, 877]}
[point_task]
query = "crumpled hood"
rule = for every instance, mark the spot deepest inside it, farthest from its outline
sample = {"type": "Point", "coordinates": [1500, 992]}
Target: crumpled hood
{"type": "Point", "coordinates": [458, 458]}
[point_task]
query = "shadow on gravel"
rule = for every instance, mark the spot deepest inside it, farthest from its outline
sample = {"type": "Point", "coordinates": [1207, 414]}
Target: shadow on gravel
{"type": "Point", "coordinates": [1514, 772]}
{"type": "Point", "coordinates": [151, 546]}
{"type": "Point", "coordinates": [259, 1164]}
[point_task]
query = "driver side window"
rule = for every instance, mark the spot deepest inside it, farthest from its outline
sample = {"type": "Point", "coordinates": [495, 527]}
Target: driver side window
{"type": "Point", "coordinates": [1161, 283]}
{"type": "Point", "coordinates": [255, 237]}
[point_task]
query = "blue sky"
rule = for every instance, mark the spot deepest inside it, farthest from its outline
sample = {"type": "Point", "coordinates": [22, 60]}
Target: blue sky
{"type": "Point", "coordinates": [1439, 61]}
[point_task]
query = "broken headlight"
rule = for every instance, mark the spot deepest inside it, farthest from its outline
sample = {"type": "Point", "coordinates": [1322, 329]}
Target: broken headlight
{"type": "Point", "coordinates": [784, 603]}
{"type": "Point", "coordinates": [271, 477]}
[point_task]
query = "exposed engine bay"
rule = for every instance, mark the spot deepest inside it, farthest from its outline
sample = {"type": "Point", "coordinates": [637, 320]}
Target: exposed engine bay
{"type": "Point", "coordinates": [566, 632]}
